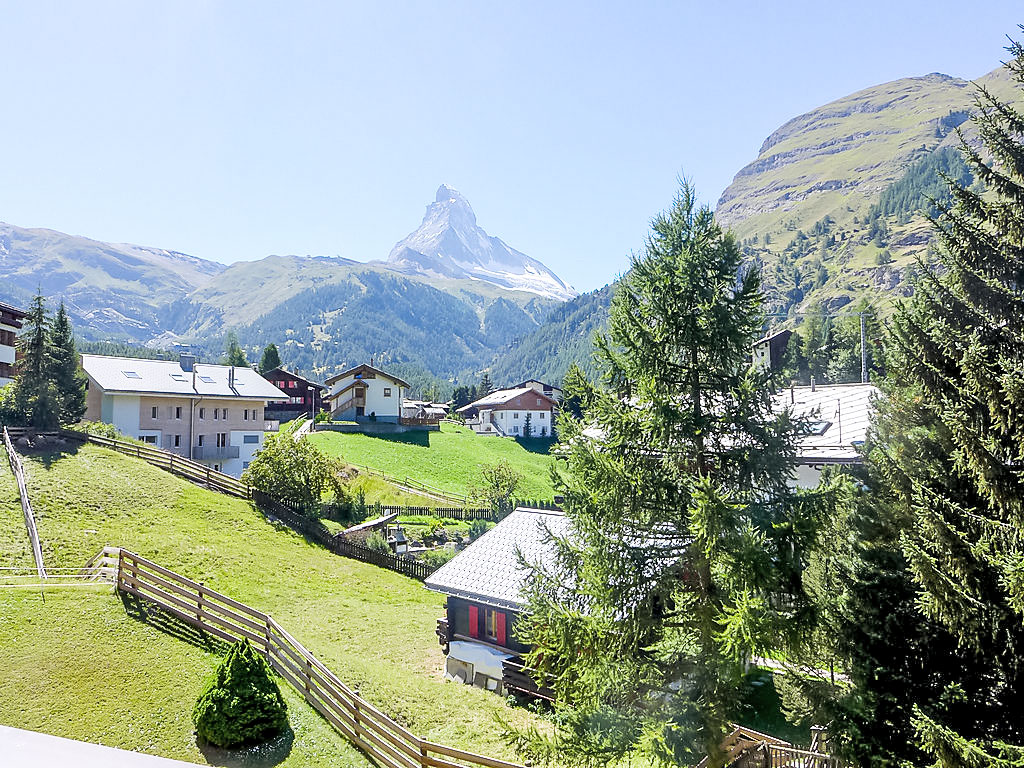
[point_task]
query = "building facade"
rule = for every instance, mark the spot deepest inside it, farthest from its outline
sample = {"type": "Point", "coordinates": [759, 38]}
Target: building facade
{"type": "Point", "coordinates": [365, 393]}
{"type": "Point", "coordinates": [10, 324]}
{"type": "Point", "coordinates": [483, 588]}
{"type": "Point", "coordinates": [214, 414]}
{"type": "Point", "coordinates": [305, 397]}
{"type": "Point", "coordinates": [518, 412]}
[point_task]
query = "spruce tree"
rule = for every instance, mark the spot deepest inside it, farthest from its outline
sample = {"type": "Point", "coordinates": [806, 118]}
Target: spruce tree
{"type": "Point", "coordinates": [485, 387]}
{"type": "Point", "coordinates": [36, 396]}
{"type": "Point", "coordinates": [685, 531]}
{"type": "Point", "coordinates": [270, 359]}
{"type": "Point", "coordinates": [955, 462]}
{"type": "Point", "coordinates": [68, 379]}
{"type": "Point", "coordinates": [233, 352]}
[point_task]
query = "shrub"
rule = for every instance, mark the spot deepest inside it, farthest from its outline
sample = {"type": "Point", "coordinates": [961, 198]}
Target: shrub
{"type": "Point", "coordinates": [478, 528]}
{"type": "Point", "coordinates": [99, 429]}
{"type": "Point", "coordinates": [296, 471]}
{"type": "Point", "coordinates": [434, 526]}
{"type": "Point", "coordinates": [378, 543]}
{"type": "Point", "coordinates": [241, 703]}
{"type": "Point", "coordinates": [437, 557]}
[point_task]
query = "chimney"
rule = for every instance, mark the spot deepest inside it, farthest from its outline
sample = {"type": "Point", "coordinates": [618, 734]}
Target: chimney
{"type": "Point", "coordinates": [812, 383]}
{"type": "Point", "coordinates": [231, 377]}
{"type": "Point", "coordinates": [792, 393]}
{"type": "Point", "coordinates": [187, 362]}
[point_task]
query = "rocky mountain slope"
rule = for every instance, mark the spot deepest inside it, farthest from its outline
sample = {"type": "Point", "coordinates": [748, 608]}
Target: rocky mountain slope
{"type": "Point", "coordinates": [833, 209]}
{"type": "Point", "coordinates": [450, 244]}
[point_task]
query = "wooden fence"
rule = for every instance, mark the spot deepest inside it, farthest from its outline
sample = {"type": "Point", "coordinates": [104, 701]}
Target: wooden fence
{"type": "Point", "coordinates": [449, 513]}
{"type": "Point", "coordinates": [747, 748]}
{"type": "Point", "coordinates": [292, 516]}
{"type": "Point", "coordinates": [171, 462]}
{"type": "Point", "coordinates": [386, 742]}
{"type": "Point", "coordinates": [26, 508]}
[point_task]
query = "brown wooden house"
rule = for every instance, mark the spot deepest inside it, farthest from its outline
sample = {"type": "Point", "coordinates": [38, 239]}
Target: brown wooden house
{"type": "Point", "coordinates": [483, 585]}
{"type": "Point", "coordinates": [305, 397]}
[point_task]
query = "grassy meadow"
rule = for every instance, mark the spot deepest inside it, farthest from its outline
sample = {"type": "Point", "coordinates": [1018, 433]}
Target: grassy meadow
{"type": "Point", "coordinates": [15, 548]}
{"type": "Point", "coordinates": [451, 459]}
{"type": "Point", "coordinates": [374, 628]}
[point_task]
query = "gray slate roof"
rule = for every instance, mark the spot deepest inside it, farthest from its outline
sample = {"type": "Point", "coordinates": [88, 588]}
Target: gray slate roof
{"type": "Point", "coordinates": [135, 376]}
{"type": "Point", "coordinates": [488, 570]}
{"type": "Point", "coordinates": [846, 407]}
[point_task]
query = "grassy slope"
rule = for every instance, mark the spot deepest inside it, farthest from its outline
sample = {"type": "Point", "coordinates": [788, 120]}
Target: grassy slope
{"type": "Point", "coordinates": [77, 666]}
{"type": "Point", "coordinates": [375, 628]}
{"type": "Point", "coordinates": [15, 549]}
{"type": "Point", "coordinates": [450, 459]}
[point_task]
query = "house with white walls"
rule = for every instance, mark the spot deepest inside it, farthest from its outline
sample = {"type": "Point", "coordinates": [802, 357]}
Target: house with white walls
{"type": "Point", "coordinates": [212, 414]}
{"type": "Point", "coordinates": [366, 394]}
{"type": "Point", "coordinates": [516, 412]}
{"type": "Point", "coordinates": [10, 324]}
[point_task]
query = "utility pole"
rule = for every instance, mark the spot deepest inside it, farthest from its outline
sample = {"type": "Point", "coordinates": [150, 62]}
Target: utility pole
{"type": "Point", "coordinates": [863, 353]}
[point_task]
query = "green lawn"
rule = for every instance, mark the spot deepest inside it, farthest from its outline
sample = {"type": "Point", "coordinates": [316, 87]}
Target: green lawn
{"type": "Point", "coordinates": [451, 459]}
{"type": "Point", "coordinates": [374, 628]}
{"type": "Point", "coordinates": [77, 666]}
{"type": "Point", "coordinates": [15, 548]}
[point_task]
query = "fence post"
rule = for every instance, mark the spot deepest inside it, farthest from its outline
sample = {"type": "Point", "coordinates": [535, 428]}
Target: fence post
{"type": "Point", "coordinates": [267, 632]}
{"type": "Point", "coordinates": [355, 713]}
{"type": "Point", "coordinates": [423, 755]}
{"type": "Point", "coordinates": [199, 605]}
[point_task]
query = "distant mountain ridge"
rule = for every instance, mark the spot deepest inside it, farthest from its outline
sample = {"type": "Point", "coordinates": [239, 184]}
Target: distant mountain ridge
{"type": "Point", "coordinates": [450, 244]}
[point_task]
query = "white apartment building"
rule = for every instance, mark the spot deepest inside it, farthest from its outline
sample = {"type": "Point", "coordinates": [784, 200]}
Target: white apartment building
{"type": "Point", "coordinates": [208, 413]}
{"type": "Point", "coordinates": [10, 324]}
{"type": "Point", "coordinates": [505, 412]}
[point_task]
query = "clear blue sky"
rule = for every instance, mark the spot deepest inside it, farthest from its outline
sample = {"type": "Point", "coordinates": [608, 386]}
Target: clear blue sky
{"type": "Point", "coordinates": [236, 130]}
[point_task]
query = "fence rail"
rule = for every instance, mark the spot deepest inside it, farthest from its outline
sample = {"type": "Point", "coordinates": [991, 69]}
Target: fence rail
{"type": "Point", "coordinates": [292, 516]}
{"type": "Point", "coordinates": [26, 508]}
{"type": "Point", "coordinates": [172, 462]}
{"type": "Point", "coordinates": [386, 742]}
{"type": "Point", "coordinates": [450, 513]}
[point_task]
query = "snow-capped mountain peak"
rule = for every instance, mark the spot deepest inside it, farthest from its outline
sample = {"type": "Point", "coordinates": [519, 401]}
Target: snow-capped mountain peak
{"type": "Point", "coordinates": [449, 243]}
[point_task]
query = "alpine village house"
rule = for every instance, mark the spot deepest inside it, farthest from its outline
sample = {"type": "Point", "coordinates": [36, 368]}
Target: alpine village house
{"type": "Point", "coordinates": [10, 324]}
{"type": "Point", "coordinates": [517, 412]}
{"type": "Point", "coordinates": [305, 397]}
{"type": "Point", "coordinates": [212, 414]}
{"type": "Point", "coordinates": [364, 394]}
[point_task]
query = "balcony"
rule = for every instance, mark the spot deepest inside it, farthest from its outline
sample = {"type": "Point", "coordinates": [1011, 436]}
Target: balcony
{"type": "Point", "coordinates": [213, 453]}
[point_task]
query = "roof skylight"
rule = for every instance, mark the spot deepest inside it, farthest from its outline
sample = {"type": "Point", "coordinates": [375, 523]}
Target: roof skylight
{"type": "Point", "coordinates": [206, 379]}
{"type": "Point", "coordinates": [131, 374]}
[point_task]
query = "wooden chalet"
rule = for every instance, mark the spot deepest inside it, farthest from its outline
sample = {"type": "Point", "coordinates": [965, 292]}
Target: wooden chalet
{"type": "Point", "coordinates": [483, 584]}
{"type": "Point", "coordinates": [305, 397]}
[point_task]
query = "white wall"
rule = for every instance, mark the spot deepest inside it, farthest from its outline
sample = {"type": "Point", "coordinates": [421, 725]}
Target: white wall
{"type": "Point", "coordinates": [246, 451]}
{"type": "Point", "coordinates": [511, 422]}
{"type": "Point", "coordinates": [125, 414]}
{"type": "Point", "coordinates": [377, 403]}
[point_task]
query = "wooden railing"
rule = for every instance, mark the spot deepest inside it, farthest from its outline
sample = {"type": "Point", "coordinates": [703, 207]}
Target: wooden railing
{"type": "Point", "coordinates": [337, 543]}
{"type": "Point", "coordinates": [449, 513]}
{"type": "Point", "coordinates": [26, 508]}
{"type": "Point", "coordinates": [172, 462]}
{"type": "Point", "coordinates": [386, 742]}
{"type": "Point", "coordinates": [747, 748]}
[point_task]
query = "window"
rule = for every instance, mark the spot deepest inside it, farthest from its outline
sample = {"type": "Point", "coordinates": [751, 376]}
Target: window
{"type": "Point", "coordinates": [222, 440]}
{"type": "Point", "coordinates": [818, 427]}
{"type": "Point", "coordinates": [148, 439]}
{"type": "Point", "coordinates": [216, 414]}
{"type": "Point", "coordinates": [539, 402]}
{"type": "Point", "coordinates": [543, 431]}
{"type": "Point", "coordinates": [225, 414]}
{"type": "Point", "coordinates": [177, 441]}
{"type": "Point", "coordinates": [245, 415]}
{"type": "Point", "coordinates": [494, 626]}
{"type": "Point", "coordinates": [154, 411]}
{"type": "Point", "coordinates": [387, 391]}
{"type": "Point", "coordinates": [177, 412]}
{"type": "Point", "coordinates": [515, 415]}
{"type": "Point", "coordinates": [131, 375]}
{"type": "Point", "coordinates": [202, 415]}
{"type": "Point", "coordinates": [299, 400]}
{"type": "Point", "coordinates": [515, 430]}
{"type": "Point", "coordinates": [245, 465]}
{"type": "Point", "coordinates": [178, 376]}
{"type": "Point", "coordinates": [543, 414]}
{"type": "Point", "coordinates": [199, 441]}
{"type": "Point", "coordinates": [250, 439]}
{"type": "Point", "coordinates": [206, 379]}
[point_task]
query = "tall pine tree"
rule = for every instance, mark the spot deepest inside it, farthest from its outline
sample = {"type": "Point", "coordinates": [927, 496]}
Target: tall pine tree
{"type": "Point", "coordinates": [956, 461]}
{"type": "Point", "coordinates": [36, 396]}
{"type": "Point", "coordinates": [685, 529]}
{"type": "Point", "coordinates": [271, 359]}
{"type": "Point", "coordinates": [66, 374]}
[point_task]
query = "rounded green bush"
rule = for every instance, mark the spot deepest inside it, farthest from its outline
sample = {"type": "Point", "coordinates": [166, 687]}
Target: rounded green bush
{"type": "Point", "coordinates": [241, 703]}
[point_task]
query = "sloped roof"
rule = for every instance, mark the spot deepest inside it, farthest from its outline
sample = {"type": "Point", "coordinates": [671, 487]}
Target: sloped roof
{"type": "Point", "coordinates": [362, 369]}
{"type": "Point", "coordinates": [842, 410]}
{"type": "Point", "coordinates": [488, 570]}
{"type": "Point", "coordinates": [137, 376]}
{"type": "Point", "coordinates": [293, 375]}
{"type": "Point", "coordinates": [11, 309]}
{"type": "Point", "coordinates": [502, 396]}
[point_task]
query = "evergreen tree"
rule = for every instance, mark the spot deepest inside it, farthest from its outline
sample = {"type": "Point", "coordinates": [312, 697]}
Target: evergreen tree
{"type": "Point", "coordinates": [685, 530]}
{"type": "Point", "coordinates": [485, 387]}
{"type": "Point", "coordinates": [36, 396]}
{"type": "Point", "coordinates": [66, 374]}
{"type": "Point", "coordinates": [953, 454]}
{"type": "Point", "coordinates": [233, 352]}
{"type": "Point", "coordinates": [270, 359]}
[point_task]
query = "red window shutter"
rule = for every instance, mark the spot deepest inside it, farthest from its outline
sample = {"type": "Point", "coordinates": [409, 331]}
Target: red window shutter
{"type": "Point", "coordinates": [474, 621]}
{"type": "Point", "coordinates": [499, 627]}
